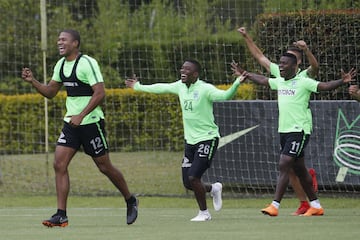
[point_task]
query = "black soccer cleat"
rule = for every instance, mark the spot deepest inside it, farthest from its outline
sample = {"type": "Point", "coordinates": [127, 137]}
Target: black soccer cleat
{"type": "Point", "coordinates": [132, 211]}
{"type": "Point", "coordinates": [56, 221]}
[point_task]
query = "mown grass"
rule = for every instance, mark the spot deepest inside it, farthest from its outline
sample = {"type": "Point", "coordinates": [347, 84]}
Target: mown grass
{"type": "Point", "coordinates": [97, 211]}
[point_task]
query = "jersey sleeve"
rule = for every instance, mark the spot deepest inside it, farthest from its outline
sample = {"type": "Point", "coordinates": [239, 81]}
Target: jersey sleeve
{"type": "Point", "coordinates": [90, 70]}
{"type": "Point", "coordinates": [219, 95]}
{"type": "Point", "coordinates": [56, 71]}
{"type": "Point", "coordinates": [311, 84]}
{"type": "Point", "coordinates": [274, 70]}
{"type": "Point", "coordinates": [158, 88]}
{"type": "Point", "coordinates": [273, 83]}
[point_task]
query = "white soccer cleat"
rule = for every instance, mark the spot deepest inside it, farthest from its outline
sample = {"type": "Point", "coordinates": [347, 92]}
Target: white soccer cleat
{"type": "Point", "coordinates": [215, 193]}
{"type": "Point", "coordinates": [202, 217]}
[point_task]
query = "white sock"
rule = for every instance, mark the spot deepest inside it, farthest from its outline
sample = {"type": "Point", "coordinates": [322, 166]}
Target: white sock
{"type": "Point", "coordinates": [205, 211]}
{"type": "Point", "coordinates": [276, 204]}
{"type": "Point", "coordinates": [315, 203]}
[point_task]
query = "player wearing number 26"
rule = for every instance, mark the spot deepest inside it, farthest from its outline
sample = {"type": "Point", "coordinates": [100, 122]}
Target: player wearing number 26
{"type": "Point", "coordinates": [83, 122]}
{"type": "Point", "coordinates": [201, 133]}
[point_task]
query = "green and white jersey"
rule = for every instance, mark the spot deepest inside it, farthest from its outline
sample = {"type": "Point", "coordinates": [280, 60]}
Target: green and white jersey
{"type": "Point", "coordinates": [275, 71]}
{"type": "Point", "coordinates": [293, 102]}
{"type": "Point", "coordinates": [87, 73]}
{"type": "Point", "coordinates": [196, 105]}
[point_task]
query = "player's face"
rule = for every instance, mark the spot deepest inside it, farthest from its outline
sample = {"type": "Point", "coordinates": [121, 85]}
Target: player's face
{"type": "Point", "coordinates": [287, 67]}
{"type": "Point", "coordinates": [66, 44]}
{"type": "Point", "coordinates": [188, 73]}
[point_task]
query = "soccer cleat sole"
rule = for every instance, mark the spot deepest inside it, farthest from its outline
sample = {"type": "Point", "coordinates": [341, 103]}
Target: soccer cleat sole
{"type": "Point", "coordinates": [49, 224]}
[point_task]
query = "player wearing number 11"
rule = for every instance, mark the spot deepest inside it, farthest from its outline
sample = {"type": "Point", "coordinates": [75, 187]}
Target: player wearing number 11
{"type": "Point", "coordinates": [201, 133]}
{"type": "Point", "coordinates": [294, 127]}
{"type": "Point", "coordinates": [83, 123]}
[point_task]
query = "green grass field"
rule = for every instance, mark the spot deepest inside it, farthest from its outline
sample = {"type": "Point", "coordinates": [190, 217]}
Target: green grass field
{"type": "Point", "coordinates": [96, 211]}
{"type": "Point", "coordinates": [168, 218]}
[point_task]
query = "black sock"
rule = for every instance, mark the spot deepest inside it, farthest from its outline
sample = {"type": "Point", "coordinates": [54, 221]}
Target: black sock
{"type": "Point", "coordinates": [61, 212]}
{"type": "Point", "coordinates": [131, 200]}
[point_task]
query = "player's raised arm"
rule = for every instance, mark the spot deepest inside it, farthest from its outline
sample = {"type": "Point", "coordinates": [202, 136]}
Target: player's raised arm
{"type": "Point", "coordinates": [331, 85]}
{"type": "Point", "coordinates": [313, 69]}
{"type": "Point", "coordinates": [254, 50]}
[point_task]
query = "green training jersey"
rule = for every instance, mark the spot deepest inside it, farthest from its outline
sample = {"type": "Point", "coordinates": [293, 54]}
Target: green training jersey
{"type": "Point", "coordinates": [196, 105]}
{"type": "Point", "coordinates": [275, 71]}
{"type": "Point", "coordinates": [293, 102]}
{"type": "Point", "coordinates": [88, 72]}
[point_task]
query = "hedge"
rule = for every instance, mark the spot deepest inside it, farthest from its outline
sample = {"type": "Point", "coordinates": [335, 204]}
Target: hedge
{"type": "Point", "coordinates": [134, 121]}
{"type": "Point", "coordinates": [333, 37]}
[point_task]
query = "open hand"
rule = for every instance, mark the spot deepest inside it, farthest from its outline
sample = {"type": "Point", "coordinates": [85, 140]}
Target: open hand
{"type": "Point", "coordinates": [348, 77]}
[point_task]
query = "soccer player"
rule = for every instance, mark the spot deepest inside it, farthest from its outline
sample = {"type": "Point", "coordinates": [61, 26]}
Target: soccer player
{"type": "Point", "coordinates": [201, 133]}
{"type": "Point", "coordinates": [83, 122]}
{"type": "Point", "coordinates": [294, 127]}
{"type": "Point", "coordinates": [354, 91]}
{"type": "Point", "coordinates": [273, 68]}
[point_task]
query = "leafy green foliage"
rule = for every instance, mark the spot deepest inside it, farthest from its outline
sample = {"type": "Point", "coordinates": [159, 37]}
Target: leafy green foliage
{"type": "Point", "coordinates": [135, 121]}
{"type": "Point", "coordinates": [332, 36]}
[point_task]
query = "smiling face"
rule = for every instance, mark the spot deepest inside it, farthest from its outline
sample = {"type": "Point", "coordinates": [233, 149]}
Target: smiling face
{"type": "Point", "coordinates": [287, 66]}
{"type": "Point", "coordinates": [189, 73]}
{"type": "Point", "coordinates": [67, 45]}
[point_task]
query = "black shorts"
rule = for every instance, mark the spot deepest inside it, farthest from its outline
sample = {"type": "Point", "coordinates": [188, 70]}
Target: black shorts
{"type": "Point", "coordinates": [294, 143]}
{"type": "Point", "coordinates": [92, 137]}
{"type": "Point", "coordinates": [198, 157]}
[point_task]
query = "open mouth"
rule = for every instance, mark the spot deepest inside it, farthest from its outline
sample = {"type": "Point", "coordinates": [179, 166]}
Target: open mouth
{"type": "Point", "coordinates": [183, 76]}
{"type": "Point", "coordinates": [61, 49]}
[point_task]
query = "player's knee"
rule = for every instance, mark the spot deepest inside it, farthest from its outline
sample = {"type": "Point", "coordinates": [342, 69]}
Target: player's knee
{"type": "Point", "coordinates": [59, 166]}
{"type": "Point", "coordinates": [186, 183]}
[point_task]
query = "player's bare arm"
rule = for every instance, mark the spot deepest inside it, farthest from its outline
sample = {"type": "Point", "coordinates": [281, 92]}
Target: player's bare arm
{"type": "Point", "coordinates": [239, 72]}
{"type": "Point", "coordinates": [313, 69]}
{"type": "Point", "coordinates": [254, 50]}
{"type": "Point", "coordinates": [345, 78]}
{"type": "Point", "coordinates": [47, 90]}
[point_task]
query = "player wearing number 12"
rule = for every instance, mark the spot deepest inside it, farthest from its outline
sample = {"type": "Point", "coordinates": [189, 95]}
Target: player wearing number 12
{"type": "Point", "coordinates": [201, 133]}
{"type": "Point", "coordinates": [83, 123]}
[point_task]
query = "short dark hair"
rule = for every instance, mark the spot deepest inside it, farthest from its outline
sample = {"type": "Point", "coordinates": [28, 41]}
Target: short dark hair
{"type": "Point", "coordinates": [291, 56]}
{"type": "Point", "coordinates": [75, 34]}
{"type": "Point", "coordinates": [295, 49]}
{"type": "Point", "coordinates": [196, 63]}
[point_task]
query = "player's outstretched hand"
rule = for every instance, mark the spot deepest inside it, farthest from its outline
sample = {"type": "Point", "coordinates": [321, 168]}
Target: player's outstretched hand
{"type": "Point", "coordinates": [130, 82]}
{"type": "Point", "coordinates": [348, 77]}
{"type": "Point", "coordinates": [238, 71]}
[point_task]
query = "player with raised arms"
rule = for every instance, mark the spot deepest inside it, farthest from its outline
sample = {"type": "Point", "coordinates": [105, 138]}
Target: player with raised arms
{"type": "Point", "coordinates": [312, 71]}
{"type": "Point", "coordinates": [294, 127]}
{"type": "Point", "coordinates": [200, 131]}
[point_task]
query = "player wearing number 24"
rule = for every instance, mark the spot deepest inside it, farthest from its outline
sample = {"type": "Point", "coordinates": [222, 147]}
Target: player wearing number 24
{"type": "Point", "coordinates": [294, 128]}
{"type": "Point", "coordinates": [201, 133]}
{"type": "Point", "coordinates": [83, 123]}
